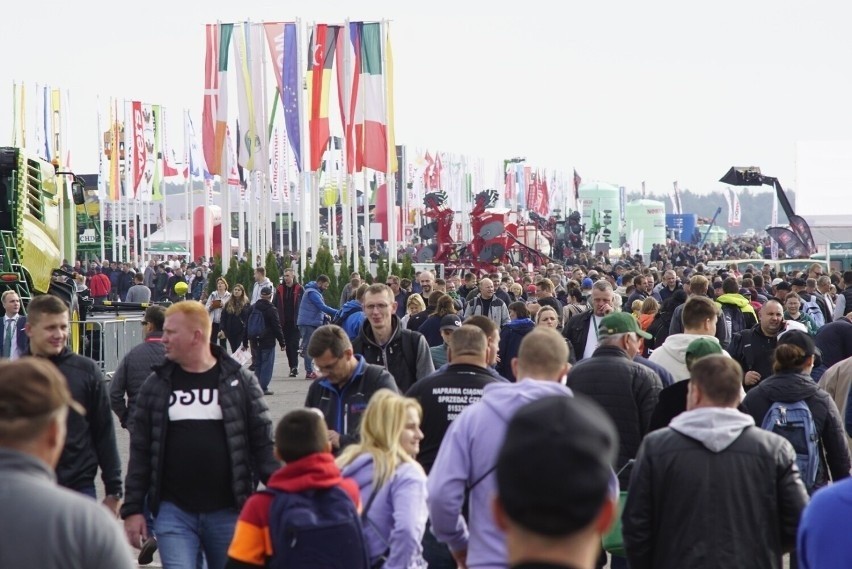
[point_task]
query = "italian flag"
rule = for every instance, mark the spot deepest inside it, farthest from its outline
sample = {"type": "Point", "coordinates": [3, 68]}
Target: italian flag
{"type": "Point", "coordinates": [371, 133]}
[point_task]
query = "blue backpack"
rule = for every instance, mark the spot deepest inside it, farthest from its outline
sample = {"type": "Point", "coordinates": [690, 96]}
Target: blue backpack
{"type": "Point", "coordinates": [794, 422]}
{"type": "Point", "coordinates": [315, 529]}
{"type": "Point", "coordinates": [256, 325]}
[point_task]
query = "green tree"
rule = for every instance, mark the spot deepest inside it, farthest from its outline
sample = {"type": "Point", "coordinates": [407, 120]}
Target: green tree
{"type": "Point", "coordinates": [307, 272]}
{"type": "Point", "coordinates": [272, 269]}
{"type": "Point", "coordinates": [342, 275]}
{"type": "Point", "coordinates": [324, 265]}
{"type": "Point", "coordinates": [364, 271]}
{"type": "Point", "coordinates": [407, 271]}
{"type": "Point", "coordinates": [382, 270]}
{"type": "Point", "coordinates": [214, 274]}
{"type": "Point", "coordinates": [246, 277]}
{"type": "Point", "coordinates": [394, 269]}
{"type": "Point", "coordinates": [233, 273]}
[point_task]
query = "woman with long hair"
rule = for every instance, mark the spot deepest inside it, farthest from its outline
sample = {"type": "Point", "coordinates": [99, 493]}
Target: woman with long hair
{"type": "Point", "coordinates": [214, 304]}
{"type": "Point", "coordinates": [413, 305]}
{"type": "Point", "coordinates": [431, 327]}
{"type": "Point", "coordinates": [392, 483]}
{"type": "Point", "coordinates": [234, 315]}
{"type": "Point", "coordinates": [794, 358]}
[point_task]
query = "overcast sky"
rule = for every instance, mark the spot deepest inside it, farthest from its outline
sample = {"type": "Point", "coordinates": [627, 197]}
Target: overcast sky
{"type": "Point", "coordinates": [622, 91]}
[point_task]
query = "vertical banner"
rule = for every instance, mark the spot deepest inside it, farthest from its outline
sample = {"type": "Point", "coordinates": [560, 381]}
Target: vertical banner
{"type": "Point", "coordinates": [773, 244]}
{"type": "Point", "coordinates": [114, 178]}
{"type": "Point", "coordinates": [737, 215]}
{"type": "Point", "coordinates": [149, 152]}
{"type": "Point", "coordinates": [726, 193]}
{"type": "Point", "coordinates": [275, 174]}
{"type": "Point", "coordinates": [137, 149]}
{"type": "Point", "coordinates": [157, 177]}
{"type": "Point", "coordinates": [102, 185]}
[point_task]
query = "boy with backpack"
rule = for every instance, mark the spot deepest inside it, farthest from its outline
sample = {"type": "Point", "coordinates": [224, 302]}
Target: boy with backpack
{"type": "Point", "coordinates": [308, 514]}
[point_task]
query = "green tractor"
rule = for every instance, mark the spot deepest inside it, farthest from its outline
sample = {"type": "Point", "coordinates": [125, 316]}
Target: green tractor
{"type": "Point", "coordinates": [37, 224]}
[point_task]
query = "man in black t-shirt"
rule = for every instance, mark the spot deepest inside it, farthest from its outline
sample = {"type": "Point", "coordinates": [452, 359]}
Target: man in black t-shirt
{"type": "Point", "coordinates": [443, 396]}
{"type": "Point", "coordinates": [202, 433]}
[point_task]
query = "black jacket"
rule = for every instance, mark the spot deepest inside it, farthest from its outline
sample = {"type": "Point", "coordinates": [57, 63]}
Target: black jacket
{"type": "Point", "coordinates": [273, 329]}
{"type": "Point", "coordinates": [691, 507]}
{"type": "Point", "coordinates": [406, 355]}
{"type": "Point", "coordinates": [234, 324]}
{"type": "Point", "coordinates": [287, 301]}
{"type": "Point", "coordinates": [626, 390]}
{"type": "Point", "coordinates": [511, 336]}
{"type": "Point", "coordinates": [754, 351]}
{"type": "Point", "coordinates": [789, 387]}
{"type": "Point", "coordinates": [132, 372]}
{"type": "Point", "coordinates": [90, 442]}
{"type": "Point", "coordinates": [576, 331]}
{"type": "Point", "coordinates": [248, 433]}
{"type": "Point", "coordinates": [343, 407]}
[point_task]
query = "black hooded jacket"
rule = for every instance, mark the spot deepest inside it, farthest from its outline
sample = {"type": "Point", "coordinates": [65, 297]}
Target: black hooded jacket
{"type": "Point", "coordinates": [788, 387]}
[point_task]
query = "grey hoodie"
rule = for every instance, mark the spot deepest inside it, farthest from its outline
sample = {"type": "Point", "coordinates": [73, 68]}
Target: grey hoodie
{"type": "Point", "coordinates": [715, 427]}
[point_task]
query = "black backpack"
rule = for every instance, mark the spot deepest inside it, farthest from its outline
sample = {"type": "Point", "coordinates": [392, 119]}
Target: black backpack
{"type": "Point", "coordinates": [659, 329]}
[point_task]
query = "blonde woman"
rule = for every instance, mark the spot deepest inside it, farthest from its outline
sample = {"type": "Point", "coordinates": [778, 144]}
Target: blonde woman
{"type": "Point", "coordinates": [392, 483]}
{"type": "Point", "coordinates": [413, 305]}
{"type": "Point", "coordinates": [233, 317]}
{"type": "Point", "coordinates": [214, 304]}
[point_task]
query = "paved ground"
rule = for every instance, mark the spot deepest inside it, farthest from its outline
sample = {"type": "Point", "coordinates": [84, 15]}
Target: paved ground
{"type": "Point", "coordinates": [288, 393]}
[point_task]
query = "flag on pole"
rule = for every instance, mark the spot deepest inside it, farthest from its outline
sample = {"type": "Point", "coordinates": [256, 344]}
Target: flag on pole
{"type": "Point", "coordinates": [157, 154]}
{"type": "Point", "coordinates": [371, 135]}
{"type": "Point", "coordinates": [736, 215]}
{"type": "Point", "coordinates": [102, 185]}
{"type": "Point", "coordinates": [114, 177]}
{"type": "Point", "coordinates": [197, 164]}
{"type": "Point", "coordinates": [253, 144]}
{"type": "Point", "coordinates": [211, 93]}
{"type": "Point", "coordinates": [321, 59]}
{"type": "Point", "coordinates": [289, 94]}
{"type": "Point", "coordinates": [678, 205]}
{"type": "Point", "coordinates": [354, 155]}
{"type": "Point", "coordinates": [726, 193]}
{"type": "Point", "coordinates": [225, 33]}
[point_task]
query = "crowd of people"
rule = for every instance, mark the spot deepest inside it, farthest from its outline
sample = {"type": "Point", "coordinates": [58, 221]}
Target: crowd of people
{"type": "Point", "coordinates": [469, 420]}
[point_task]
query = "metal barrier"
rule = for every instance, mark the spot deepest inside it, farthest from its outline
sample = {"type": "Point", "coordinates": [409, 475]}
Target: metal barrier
{"type": "Point", "coordinates": [108, 341]}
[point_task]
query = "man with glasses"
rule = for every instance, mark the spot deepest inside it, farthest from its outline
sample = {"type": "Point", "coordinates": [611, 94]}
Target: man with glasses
{"type": "Point", "coordinates": [346, 384]}
{"type": "Point", "coordinates": [382, 341]}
